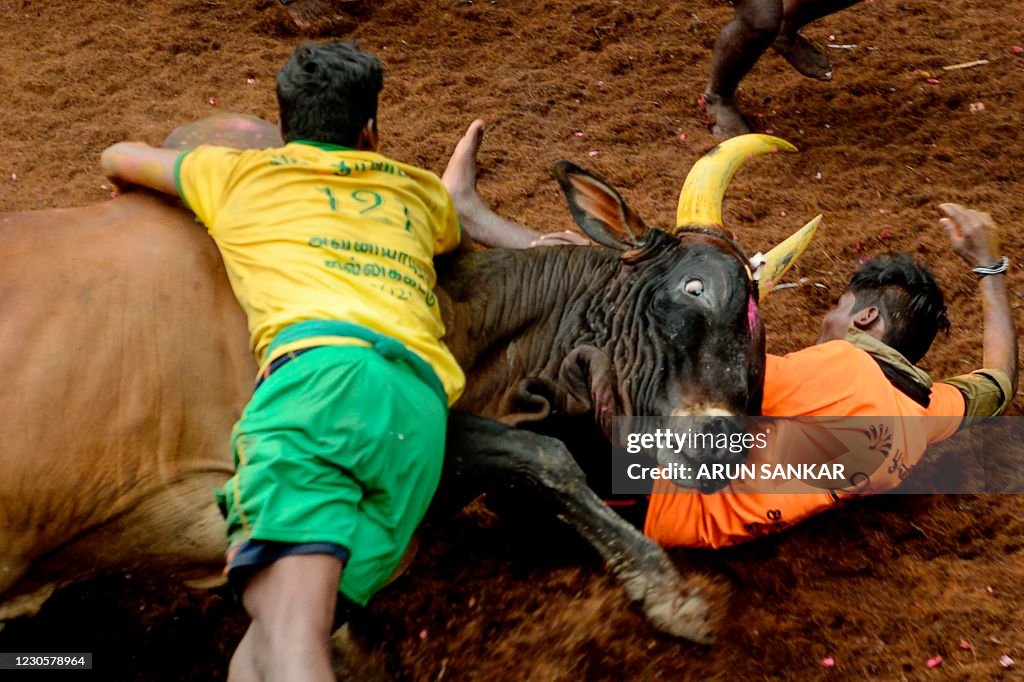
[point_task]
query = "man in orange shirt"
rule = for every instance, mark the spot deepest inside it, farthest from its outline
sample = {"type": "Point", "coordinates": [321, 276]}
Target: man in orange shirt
{"type": "Point", "coordinates": [861, 366]}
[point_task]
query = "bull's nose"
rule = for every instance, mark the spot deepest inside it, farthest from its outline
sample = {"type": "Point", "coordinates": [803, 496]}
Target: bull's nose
{"type": "Point", "coordinates": [729, 450]}
{"type": "Point", "coordinates": [729, 431]}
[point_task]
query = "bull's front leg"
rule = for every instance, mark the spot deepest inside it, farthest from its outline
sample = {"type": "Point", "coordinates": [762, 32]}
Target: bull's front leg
{"type": "Point", "coordinates": [483, 455]}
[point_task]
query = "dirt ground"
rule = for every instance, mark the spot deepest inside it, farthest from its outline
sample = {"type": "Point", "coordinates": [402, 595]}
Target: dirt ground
{"type": "Point", "coordinates": [881, 587]}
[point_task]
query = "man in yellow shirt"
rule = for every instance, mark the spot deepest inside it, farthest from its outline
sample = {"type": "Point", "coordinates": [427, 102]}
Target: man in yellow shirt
{"type": "Point", "coordinates": [329, 249]}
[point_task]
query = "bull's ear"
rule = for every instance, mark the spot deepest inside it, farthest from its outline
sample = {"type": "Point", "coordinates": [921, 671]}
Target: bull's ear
{"type": "Point", "coordinates": [598, 209]}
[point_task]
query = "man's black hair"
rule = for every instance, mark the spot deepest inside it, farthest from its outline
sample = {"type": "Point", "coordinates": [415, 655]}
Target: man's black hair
{"type": "Point", "coordinates": [907, 297]}
{"type": "Point", "coordinates": [327, 92]}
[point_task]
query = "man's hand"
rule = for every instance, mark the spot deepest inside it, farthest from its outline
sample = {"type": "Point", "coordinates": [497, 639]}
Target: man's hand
{"type": "Point", "coordinates": [974, 235]}
{"type": "Point", "coordinates": [560, 238]}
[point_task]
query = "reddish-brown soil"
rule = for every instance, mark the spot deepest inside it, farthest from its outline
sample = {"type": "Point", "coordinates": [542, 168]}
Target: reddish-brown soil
{"type": "Point", "coordinates": [881, 586]}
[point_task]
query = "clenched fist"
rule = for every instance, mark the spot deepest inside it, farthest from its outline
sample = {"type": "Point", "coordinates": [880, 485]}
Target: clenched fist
{"type": "Point", "coordinates": [974, 236]}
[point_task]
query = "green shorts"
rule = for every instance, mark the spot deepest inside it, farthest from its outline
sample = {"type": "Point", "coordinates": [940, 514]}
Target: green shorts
{"type": "Point", "coordinates": [342, 446]}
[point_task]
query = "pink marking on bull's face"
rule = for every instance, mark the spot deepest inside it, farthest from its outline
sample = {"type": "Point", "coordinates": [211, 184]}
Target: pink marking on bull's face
{"type": "Point", "coordinates": [752, 315]}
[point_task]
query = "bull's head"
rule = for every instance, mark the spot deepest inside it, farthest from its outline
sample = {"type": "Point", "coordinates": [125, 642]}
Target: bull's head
{"type": "Point", "coordinates": [682, 331]}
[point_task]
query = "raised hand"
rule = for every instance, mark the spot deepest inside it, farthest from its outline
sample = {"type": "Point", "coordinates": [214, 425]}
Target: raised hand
{"type": "Point", "coordinates": [973, 234]}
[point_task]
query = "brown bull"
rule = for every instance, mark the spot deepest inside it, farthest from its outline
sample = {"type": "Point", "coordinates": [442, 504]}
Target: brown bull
{"type": "Point", "coordinates": [127, 363]}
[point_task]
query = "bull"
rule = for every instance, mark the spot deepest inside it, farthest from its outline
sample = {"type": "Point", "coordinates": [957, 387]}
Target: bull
{"type": "Point", "coordinates": [127, 363]}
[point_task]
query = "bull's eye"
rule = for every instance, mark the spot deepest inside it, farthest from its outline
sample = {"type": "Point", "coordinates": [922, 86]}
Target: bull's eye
{"type": "Point", "coordinates": [694, 287]}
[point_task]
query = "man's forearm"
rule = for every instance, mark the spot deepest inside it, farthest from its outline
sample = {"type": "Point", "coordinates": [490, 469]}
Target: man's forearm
{"type": "Point", "coordinates": [975, 238]}
{"type": "Point", "coordinates": [140, 164]}
{"type": "Point", "coordinates": [1000, 339]}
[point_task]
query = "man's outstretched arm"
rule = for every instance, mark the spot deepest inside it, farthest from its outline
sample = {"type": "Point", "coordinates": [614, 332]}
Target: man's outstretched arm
{"type": "Point", "coordinates": [135, 163]}
{"type": "Point", "coordinates": [975, 238]}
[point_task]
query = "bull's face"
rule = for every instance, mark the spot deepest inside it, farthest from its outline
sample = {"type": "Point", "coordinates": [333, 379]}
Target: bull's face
{"type": "Point", "coordinates": [685, 336]}
{"type": "Point", "coordinates": [697, 322]}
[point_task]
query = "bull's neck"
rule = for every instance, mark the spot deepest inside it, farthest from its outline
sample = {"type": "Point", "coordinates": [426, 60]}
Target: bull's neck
{"type": "Point", "coordinates": [535, 298]}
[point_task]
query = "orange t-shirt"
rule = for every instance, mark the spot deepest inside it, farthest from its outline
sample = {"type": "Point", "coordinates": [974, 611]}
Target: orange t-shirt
{"type": "Point", "coordinates": [834, 379]}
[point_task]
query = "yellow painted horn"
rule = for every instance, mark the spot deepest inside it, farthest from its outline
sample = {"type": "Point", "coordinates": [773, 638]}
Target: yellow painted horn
{"type": "Point", "coordinates": [778, 260]}
{"type": "Point", "coordinates": [700, 202]}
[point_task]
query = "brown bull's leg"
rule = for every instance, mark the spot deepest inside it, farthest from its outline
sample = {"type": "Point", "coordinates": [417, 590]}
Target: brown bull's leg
{"type": "Point", "coordinates": [482, 454]}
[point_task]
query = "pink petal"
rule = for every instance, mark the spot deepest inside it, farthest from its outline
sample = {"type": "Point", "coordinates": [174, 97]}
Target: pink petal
{"type": "Point", "coordinates": [828, 662]}
{"type": "Point", "coordinates": [1005, 661]}
{"type": "Point", "coordinates": [965, 645]}
{"type": "Point", "coordinates": [213, 101]}
{"type": "Point", "coordinates": [1017, 49]}
{"type": "Point", "coordinates": [578, 133]}
{"type": "Point", "coordinates": [592, 153]}
{"type": "Point", "coordinates": [933, 81]}
{"type": "Point", "coordinates": [935, 662]}
{"type": "Point", "coordinates": [423, 634]}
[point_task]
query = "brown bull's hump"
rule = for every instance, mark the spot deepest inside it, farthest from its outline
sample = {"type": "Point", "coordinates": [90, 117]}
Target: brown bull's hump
{"type": "Point", "coordinates": [226, 130]}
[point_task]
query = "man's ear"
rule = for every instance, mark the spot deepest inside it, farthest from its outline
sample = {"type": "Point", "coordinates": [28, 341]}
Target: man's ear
{"type": "Point", "coordinates": [869, 320]}
{"type": "Point", "coordinates": [368, 138]}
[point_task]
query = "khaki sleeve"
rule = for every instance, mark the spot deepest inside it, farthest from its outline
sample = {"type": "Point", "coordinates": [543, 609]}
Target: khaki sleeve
{"type": "Point", "coordinates": [987, 392]}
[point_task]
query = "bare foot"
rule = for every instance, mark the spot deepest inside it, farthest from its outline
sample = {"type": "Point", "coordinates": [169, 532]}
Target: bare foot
{"type": "Point", "coordinates": [805, 55]}
{"type": "Point", "coordinates": [459, 176]}
{"type": "Point", "coordinates": [729, 122]}
{"type": "Point", "coordinates": [480, 223]}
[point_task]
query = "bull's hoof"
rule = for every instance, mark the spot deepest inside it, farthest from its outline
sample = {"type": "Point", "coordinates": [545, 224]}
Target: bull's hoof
{"type": "Point", "coordinates": [681, 613]}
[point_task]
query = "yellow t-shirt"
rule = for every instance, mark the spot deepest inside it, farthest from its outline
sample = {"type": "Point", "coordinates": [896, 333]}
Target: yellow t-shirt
{"type": "Point", "coordinates": [312, 231]}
